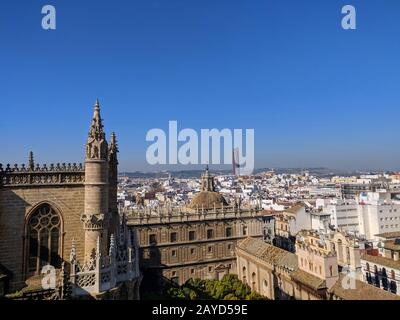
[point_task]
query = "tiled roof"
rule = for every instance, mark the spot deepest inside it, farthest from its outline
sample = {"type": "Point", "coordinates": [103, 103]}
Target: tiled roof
{"type": "Point", "coordinates": [308, 279]}
{"type": "Point", "coordinates": [362, 291]}
{"type": "Point", "coordinates": [269, 253]}
{"type": "Point", "coordinates": [389, 235]}
{"type": "Point", "coordinates": [390, 244]}
{"type": "Point", "coordinates": [295, 208]}
{"type": "Point", "coordinates": [270, 212]}
{"type": "Point", "coordinates": [381, 260]}
{"type": "Point", "coordinates": [207, 200]}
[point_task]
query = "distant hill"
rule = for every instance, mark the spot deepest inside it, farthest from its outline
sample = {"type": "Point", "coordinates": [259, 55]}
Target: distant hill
{"type": "Point", "coordinates": [321, 172]}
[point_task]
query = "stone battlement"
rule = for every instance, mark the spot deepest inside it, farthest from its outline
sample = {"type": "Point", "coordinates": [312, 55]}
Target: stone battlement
{"type": "Point", "coordinates": [59, 174]}
{"type": "Point", "coordinates": [144, 216]}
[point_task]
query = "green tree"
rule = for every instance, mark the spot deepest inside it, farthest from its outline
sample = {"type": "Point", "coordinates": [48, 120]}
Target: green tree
{"type": "Point", "coordinates": [228, 288]}
{"type": "Point", "coordinates": [231, 296]}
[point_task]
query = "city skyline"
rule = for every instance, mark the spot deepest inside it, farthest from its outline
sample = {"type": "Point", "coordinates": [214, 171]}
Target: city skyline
{"type": "Point", "coordinates": [315, 94]}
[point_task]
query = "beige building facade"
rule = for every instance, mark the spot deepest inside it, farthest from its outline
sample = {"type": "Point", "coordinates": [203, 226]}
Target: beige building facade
{"type": "Point", "coordinates": [310, 274]}
{"type": "Point", "coordinates": [195, 241]}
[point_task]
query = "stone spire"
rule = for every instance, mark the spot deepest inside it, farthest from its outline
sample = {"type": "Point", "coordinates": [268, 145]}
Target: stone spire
{"type": "Point", "coordinates": [113, 182]}
{"type": "Point", "coordinates": [96, 129]}
{"type": "Point", "coordinates": [113, 150]}
{"type": "Point", "coordinates": [31, 162]}
{"type": "Point", "coordinates": [96, 147]}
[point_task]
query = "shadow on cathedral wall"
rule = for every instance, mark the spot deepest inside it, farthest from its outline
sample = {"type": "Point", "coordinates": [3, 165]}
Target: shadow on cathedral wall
{"type": "Point", "coordinates": [151, 267]}
{"type": "Point", "coordinates": [34, 244]}
{"type": "Point", "coordinates": [12, 228]}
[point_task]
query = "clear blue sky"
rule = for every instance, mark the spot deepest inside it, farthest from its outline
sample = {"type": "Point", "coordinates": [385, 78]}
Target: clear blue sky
{"type": "Point", "coordinates": [315, 94]}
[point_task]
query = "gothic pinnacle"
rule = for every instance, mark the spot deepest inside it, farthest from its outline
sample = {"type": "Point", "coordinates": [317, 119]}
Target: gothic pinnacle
{"type": "Point", "coordinates": [96, 129]}
{"type": "Point", "coordinates": [113, 142]}
{"type": "Point", "coordinates": [113, 139]}
{"type": "Point", "coordinates": [31, 162]}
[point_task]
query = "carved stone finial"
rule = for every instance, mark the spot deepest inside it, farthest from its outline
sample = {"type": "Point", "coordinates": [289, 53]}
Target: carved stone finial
{"type": "Point", "coordinates": [72, 255]}
{"type": "Point", "coordinates": [93, 221]}
{"type": "Point", "coordinates": [98, 252]}
{"type": "Point", "coordinates": [96, 147]}
{"type": "Point", "coordinates": [112, 245]}
{"type": "Point", "coordinates": [31, 162]}
{"type": "Point", "coordinates": [113, 149]}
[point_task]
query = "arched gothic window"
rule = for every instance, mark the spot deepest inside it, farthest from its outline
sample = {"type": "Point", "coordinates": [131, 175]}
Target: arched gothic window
{"type": "Point", "coordinates": [43, 239]}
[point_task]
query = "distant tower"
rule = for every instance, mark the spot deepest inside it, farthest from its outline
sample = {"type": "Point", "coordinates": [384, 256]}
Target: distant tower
{"type": "Point", "coordinates": [207, 181]}
{"type": "Point", "coordinates": [96, 216]}
{"type": "Point", "coordinates": [235, 161]}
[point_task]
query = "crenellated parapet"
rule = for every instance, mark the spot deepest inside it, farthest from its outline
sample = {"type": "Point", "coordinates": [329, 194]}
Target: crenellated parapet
{"type": "Point", "coordinates": [31, 175]}
{"type": "Point", "coordinates": [161, 215]}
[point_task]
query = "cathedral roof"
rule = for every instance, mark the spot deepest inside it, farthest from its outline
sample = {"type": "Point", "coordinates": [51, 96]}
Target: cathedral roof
{"type": "Point", "coordinates": [308, 279]}
{"type": "Point", "coordinates": [207, 200]}
{"type": "Point", "coordinates": [208, 197]}
{"type": "Point", "coordinates": [269, 253]}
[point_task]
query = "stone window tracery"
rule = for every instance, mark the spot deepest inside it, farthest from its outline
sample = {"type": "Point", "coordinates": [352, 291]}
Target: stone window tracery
{"type": "Point", "coordinates": [43, 239]}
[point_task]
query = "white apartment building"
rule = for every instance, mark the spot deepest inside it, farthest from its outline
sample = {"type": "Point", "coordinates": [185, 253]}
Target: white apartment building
{"type": "Point", "coordinates": [370, 214]}
{"type": "Point", "coordinates": [379, 213]}
{"type": "Point", "coordinates": [343, 214]}
{"type": "Point", "coordinates": [320, 221]}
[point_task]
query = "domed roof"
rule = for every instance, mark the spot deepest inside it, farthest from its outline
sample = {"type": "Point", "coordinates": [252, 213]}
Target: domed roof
{"type": "Point", "coordinates": [207, 199]}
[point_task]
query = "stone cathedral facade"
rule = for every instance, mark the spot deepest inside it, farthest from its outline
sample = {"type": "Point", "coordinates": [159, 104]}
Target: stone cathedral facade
{"type": "Point", "coordinates": [62, 221]}
{"type": "Point", "coordinates": [194, 241]}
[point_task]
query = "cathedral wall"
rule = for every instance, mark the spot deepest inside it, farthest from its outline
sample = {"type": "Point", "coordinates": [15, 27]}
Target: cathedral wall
{"type": "Point", "coordinates": [16, 204]}
{"type": "Point", "coordinates": [209, 255]}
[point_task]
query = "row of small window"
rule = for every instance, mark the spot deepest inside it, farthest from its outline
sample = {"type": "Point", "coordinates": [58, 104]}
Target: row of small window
{"type": "Point", "coordinates": [173, 237]}
{"type": "Point", "coordinates": [343, 210]}
{"type": "Point", "coordinates": [313, 268]}
{"type": "Point", "coordinates": [348, 217]}
{"type": "Point", "coordinates": [210, 249]}
{"type": "Point", "coordinates": [381, 282]}
{"type": "Point", "coordinates": [382, 272]}
{"type": "Point", "coordinates": [394, 210]}
{"type": "Point", "coordinates": [283, 227]}
{"type": "Point", "coordinates": [192, 270]}
{"type": "Point", "coordinates": [391, 218]}
{"type": "Point", "coordinates": [389, 226]}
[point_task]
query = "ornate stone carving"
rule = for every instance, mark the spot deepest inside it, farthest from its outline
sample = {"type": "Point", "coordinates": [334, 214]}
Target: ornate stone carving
{"type": "Point", "coordinates": [103, 273]}
{"type": "Point", "coordinates": [96, 146]}
{"type": "Point", "coordinates": [58, 175]}
{"type": "Point", "coordinates": [94, 221]}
